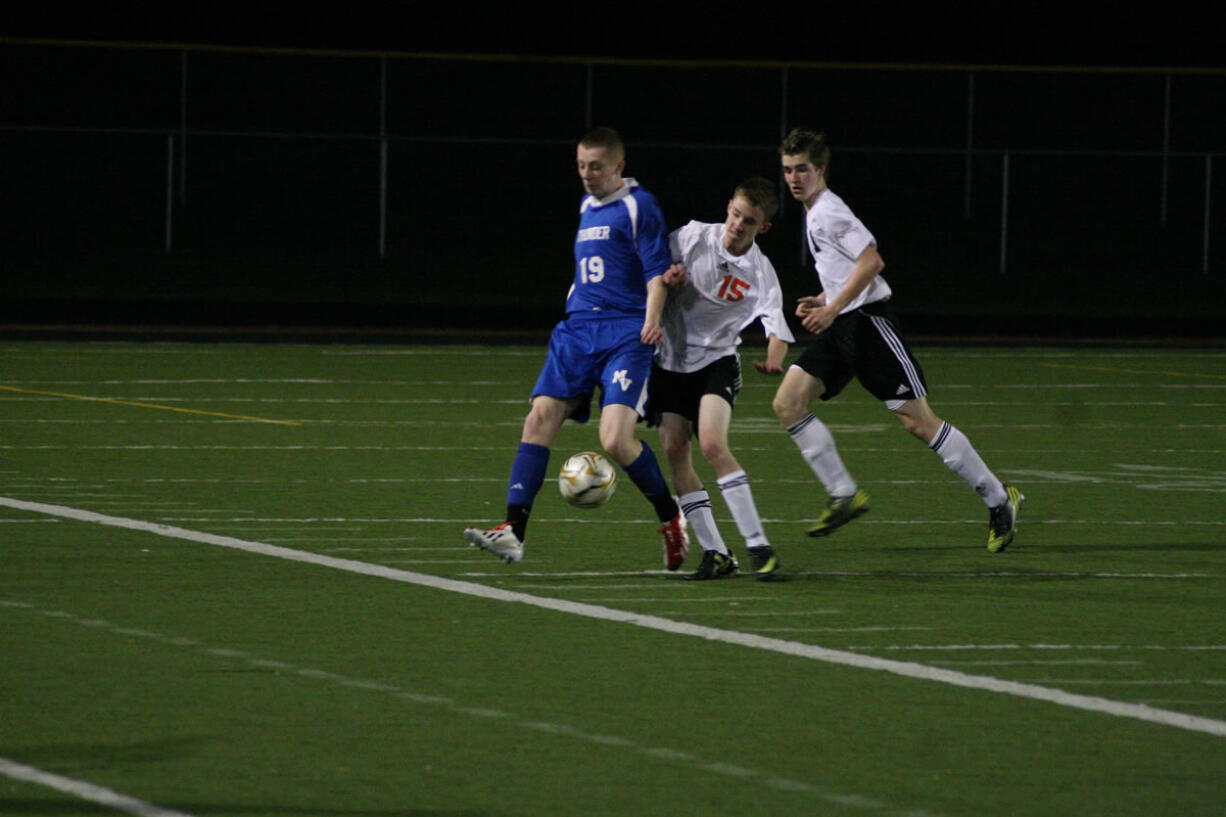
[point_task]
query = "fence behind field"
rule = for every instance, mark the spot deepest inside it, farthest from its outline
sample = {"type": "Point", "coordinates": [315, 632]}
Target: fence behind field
{"type": "Point", "coordinates": [149, 183]}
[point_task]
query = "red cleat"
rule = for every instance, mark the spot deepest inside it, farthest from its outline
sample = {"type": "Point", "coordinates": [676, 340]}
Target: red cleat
{"type": "Point", "coordinates": [676, 542]}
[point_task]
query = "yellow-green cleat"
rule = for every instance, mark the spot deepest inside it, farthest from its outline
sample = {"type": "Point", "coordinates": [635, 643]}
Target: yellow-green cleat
{"type": "Point", "coordinates": [1002, 524]}
{"type": "Point", "coordinates": [765, 564]}
{"type": "Point", "coordinates": [840, 511]}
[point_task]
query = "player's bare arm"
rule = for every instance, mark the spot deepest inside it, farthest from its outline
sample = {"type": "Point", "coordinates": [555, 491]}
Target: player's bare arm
{"type": "Point", "coordinates": [657, 293]}
{"type": "Point", "coordinates": [674, 275]}
{"type": "Point", "coordinates": [776, 351]}
{"type": "Point", "coordinates": [818, 318]}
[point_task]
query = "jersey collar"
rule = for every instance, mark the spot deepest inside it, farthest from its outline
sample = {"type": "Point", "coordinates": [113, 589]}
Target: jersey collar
{"type": "Point", "coordinates": [620, 193]}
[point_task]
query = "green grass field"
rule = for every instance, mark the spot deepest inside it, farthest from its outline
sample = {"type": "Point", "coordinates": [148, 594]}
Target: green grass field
{"type": "Point", "coordinates": [232, 582]}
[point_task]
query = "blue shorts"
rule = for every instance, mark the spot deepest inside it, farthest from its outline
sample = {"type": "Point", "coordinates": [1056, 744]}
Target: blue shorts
{"type": "Point", "coordinates": [587, 354]}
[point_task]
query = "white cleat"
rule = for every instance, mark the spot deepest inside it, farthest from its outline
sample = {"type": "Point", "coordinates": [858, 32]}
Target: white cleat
{"type": "Point", "coordinates": [499, 540]}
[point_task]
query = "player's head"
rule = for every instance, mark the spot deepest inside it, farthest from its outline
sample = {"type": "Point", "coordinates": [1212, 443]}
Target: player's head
{"type": "Point", "coordinates": [601, 158]}
{"type": "Point", "coordinates": [750, 211]}
{"type": "Point", "coordinates": [805, 157]}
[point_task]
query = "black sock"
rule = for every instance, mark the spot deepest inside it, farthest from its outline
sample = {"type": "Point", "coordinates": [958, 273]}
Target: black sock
{"type": "Point", "coordinates": [517, 515]}
{"type": "Point", "coordinates": [665, 505]}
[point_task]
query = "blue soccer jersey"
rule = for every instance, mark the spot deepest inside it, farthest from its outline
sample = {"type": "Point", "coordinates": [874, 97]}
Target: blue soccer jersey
{"type": "Point", "coordinates": [622, 243]}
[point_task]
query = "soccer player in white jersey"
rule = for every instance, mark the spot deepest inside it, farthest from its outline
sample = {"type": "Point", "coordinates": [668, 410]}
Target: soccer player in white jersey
{"type": "Point", "coordinates": [857, 336]}
{"type": "Point", "coordinates": [606, 342]}
{"type": "Point", "coordinates": [722, 282]}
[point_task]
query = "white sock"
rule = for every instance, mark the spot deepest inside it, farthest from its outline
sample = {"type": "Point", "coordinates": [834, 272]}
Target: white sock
{"type": "Point", "coordinates": [957, 452]}
{"type": "Point", "coordinates": [739, 498]}
{"type": "Point", "coordinates": [697, 509]}
{"type": "Point", "coordinates": [817, 447]}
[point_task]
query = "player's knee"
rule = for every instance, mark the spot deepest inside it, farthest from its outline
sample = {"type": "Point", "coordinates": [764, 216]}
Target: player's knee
{"type": "Point", "coordinates": [715, 452]}
{"type": "Point", "coordinates": [540, 426]}
{"type": "Point", "coordinates": [621, 448]}
{"type": "Point", "coordinates": [789, 408]}
{"type": "Point", "coordinates": [675, 446]}
{"type": "Point", "coordinates": [533, 426]}
{"type": "Point", "coordinates": [923, 428]}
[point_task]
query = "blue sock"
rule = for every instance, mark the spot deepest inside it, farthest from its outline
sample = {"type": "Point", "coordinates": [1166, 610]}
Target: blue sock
{"type": "Point", "coordinates": [527, 474]}
{"type": "Point", "coordinates": [645, 473]}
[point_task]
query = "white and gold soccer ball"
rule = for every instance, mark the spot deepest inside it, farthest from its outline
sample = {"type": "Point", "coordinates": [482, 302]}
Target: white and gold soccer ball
{"type": "Point", "coordinates": [587, 480]}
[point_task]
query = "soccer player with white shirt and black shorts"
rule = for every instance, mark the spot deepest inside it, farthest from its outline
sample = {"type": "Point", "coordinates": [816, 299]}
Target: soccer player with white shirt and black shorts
{"type": "Point", "coordinates": [857, 336]}
{"type": "Point", "coordinates": [605, 342]}
{"type": "Point", "coordinates": [721, 283]}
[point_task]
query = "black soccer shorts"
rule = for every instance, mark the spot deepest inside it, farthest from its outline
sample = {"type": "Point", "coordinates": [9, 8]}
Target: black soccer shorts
{"type": "Point", "coordinates": [865, 344]}
{"type": "Point", "coordinates": [681, 393]}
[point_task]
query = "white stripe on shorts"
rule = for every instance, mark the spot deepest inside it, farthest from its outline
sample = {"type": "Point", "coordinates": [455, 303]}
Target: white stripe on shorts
{"type": "Point", "coordinates": [900, 353]}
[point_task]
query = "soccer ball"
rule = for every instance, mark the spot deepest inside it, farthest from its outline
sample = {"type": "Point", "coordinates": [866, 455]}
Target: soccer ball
{"type": "Point", "coordinates": [587, 480]}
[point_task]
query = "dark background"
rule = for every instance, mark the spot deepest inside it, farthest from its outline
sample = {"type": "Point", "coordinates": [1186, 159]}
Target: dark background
{"type": "Point", "coordinates": [272, 173]}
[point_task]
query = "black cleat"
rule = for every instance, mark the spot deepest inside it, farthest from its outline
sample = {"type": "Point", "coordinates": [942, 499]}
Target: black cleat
{"type": "Point", "coordinates": [714, 565]}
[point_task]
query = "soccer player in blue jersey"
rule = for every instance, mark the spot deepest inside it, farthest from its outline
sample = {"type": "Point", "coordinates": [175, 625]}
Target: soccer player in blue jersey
{"type": "Point", "coordinates": [606, 342]}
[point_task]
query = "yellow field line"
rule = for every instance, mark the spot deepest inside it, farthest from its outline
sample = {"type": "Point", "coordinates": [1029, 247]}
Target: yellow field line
{"type": "Point", "coordinates": [1132, 371]}
{"type": "Point", "coordinates": [149, 405]}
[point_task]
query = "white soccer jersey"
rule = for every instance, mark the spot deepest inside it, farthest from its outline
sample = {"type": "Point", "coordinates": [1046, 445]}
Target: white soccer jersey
{"type": "Point", "coordinates": [836, 239]}
{"type": "Point", "coordinates": [722, 294]}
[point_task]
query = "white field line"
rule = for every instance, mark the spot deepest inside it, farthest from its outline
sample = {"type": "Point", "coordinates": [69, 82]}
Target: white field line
{"type": "Point", "coordinates": [309, 381]}
{"type": "Point", "coordinates": [84, 791]}
{"type": "Point", "coordinates": [1019, 647]}
{"type": "Point", "coordinates": [1064, 452]}
{"type": "Point", "coordinates": [674, 600]}
{"type": "Point", "coordinates": [422, 520]}
{"type": "Point", "coordinates": [730, 613]}
{"type": "Point", "coordinates": [430, 561]}
{"type": "Point", "coordinates": [868, 629]}
{"type": "Point", "coordinates": [737, 428]}
{"type": "Point", "coordinates": [1055, 662]}
{"type": "Point", "coordinates": [1031, 478]}
{"type": "Point", "coordinates": [1027, 353]}
{"type": "Point", "coordinates": [812, 652]}
{"type": "Point", "coordinates": [520, 385]}
{"type": "Point", "coordinates": [966, 574]}
{"type": "Point", "coordinates": [562, 588]}
{"type": "Point", "coordinates": [316, 421]}
{"type": "Point", "coordinates": [1003, 574]}
{"type": "Point", "coordinates": [1142, 682]}
{"type": "Point", "coordinates": [379, 401]}
{"type": "Point", "coordinates": [789, 614]}
{"type": "Point", "coordinates": [740, 425]}
{"type": "Point", "coordinates": [562, 730]}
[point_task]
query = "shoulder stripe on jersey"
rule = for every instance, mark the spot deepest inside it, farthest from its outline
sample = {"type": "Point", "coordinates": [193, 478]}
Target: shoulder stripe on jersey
{"type": "Point", "coordinates": [632, 207]}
